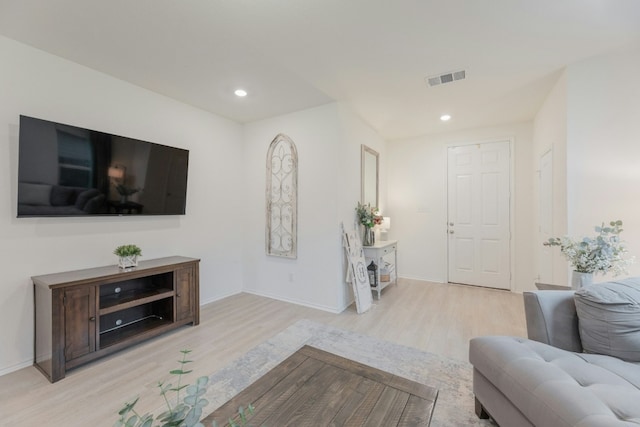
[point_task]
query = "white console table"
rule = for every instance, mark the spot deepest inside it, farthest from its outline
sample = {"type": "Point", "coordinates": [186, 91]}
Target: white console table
{"type": "Point", "coordinates": [379, 253]}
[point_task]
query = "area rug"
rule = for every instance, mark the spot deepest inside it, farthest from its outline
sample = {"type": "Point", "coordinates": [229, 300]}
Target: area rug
{"type": "Point", "coordinates": [455, 404]}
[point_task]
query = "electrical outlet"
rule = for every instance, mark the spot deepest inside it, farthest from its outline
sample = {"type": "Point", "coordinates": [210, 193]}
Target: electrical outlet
{"type": "Point", "coordinates": [291, 277]}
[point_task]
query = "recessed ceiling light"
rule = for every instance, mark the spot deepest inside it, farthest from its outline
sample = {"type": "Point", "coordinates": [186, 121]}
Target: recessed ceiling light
{"type": "Point", "coordinates": [240, 92]}
{"type": "Point", "coordinates": [445, 117]}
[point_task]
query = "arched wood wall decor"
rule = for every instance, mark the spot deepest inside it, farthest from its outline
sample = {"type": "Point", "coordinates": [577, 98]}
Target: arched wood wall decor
{"type": "Point", "coordinates": [282, 198]}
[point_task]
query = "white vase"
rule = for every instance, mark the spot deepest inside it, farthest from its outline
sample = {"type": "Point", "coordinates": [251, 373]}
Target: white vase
{"type": "Point", "coordinates": [580, 280]}
{"type": "Point", "coordinates": [128, 261]}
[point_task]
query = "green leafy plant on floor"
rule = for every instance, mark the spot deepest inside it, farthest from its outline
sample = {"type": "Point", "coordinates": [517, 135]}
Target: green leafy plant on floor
{"type": "Point", "coordinates": [185, 412]}
{"type": "Point", "coordinates": [243, 414]}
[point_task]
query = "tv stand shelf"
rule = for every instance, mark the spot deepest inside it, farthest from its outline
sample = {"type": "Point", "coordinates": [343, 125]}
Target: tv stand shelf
{"type": "Point", "coordinates": [86, 314]}
{"type": "Point", "coordinates": [132, 299]}
{"type": "Point", "coordinates": [118, 334]}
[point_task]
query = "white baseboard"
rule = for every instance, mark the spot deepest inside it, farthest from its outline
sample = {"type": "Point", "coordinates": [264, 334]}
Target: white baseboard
{"type": "Point", "coordinates": [218, 298]}
{"type": "Point", "coordinates": [423, 279]}
{"type": "Point", "coordinates": [293, 301]}
{"type": "Point", "coordinates": [21, 365]}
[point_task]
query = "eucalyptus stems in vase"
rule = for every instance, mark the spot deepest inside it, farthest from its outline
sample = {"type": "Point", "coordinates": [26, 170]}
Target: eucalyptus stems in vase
{"type": "Point", "coordinates": [590, 255]}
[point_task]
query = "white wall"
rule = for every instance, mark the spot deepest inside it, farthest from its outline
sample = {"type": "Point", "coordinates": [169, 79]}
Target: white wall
{"type": "Point", "coordinates": [417, 199]}
{"type": "Point", "coordinates": [603, 146]}
{"type": "Point", "coordinates": [355, 133]}
{"type": "Point", "coordinates": [328, 140]}
{"type": "Point", "coordinates": [550, 133]}
{"type": "Point", "coordinates": [41, 85]}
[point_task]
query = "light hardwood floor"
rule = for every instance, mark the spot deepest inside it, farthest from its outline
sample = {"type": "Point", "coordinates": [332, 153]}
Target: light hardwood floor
{"type": "Point", "coordinates": [438, 318]}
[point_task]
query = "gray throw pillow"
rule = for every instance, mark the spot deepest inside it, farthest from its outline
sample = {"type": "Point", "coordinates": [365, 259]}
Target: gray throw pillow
{"type": "Point", "coordinates": [609, 318]}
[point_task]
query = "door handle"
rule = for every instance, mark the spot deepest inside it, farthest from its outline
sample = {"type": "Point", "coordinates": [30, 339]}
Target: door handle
{"type": "Point", "coordinates": [451, 231]}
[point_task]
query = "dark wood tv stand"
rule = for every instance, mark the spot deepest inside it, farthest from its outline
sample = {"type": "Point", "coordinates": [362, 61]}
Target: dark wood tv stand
{"type": "Point", "coordinates": [86, 314]}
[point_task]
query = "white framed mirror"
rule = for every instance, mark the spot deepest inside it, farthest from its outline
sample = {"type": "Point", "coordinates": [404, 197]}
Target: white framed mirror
{"type": "Point", "coordinates": [369, 164]}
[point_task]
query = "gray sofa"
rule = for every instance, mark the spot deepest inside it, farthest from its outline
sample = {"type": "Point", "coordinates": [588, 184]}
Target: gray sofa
{"type": "Point", "coordinates": [548, 380]}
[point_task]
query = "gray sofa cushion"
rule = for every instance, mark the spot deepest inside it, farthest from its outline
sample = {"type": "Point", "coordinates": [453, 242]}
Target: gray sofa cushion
{"type": "Point", "coordinates": [609, 318]}
{"type": "Point", "coordinates": [552, 319]}
{"type": "Point", "coordinates": [554, 387]}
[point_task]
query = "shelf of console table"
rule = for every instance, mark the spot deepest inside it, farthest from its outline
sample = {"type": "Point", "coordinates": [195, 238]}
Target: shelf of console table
{"type": "Point", "coordinates": [380, 253]}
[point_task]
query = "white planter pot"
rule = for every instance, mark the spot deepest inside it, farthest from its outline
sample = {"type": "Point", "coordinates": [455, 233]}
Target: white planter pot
{"type": "Point", "coordinates": [128, 261]}
{"type": "Point", "coordinates": [580, 280]}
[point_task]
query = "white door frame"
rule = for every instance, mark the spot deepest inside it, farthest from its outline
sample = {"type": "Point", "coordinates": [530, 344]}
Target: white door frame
{"type": "Point", "coordinates": [544, 254]}
{"type": "Point", "coordinates": [512, 157]}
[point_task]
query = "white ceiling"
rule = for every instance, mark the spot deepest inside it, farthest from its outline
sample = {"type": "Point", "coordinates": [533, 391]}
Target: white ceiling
{"type": "Point", "coordinates": [370, 54]}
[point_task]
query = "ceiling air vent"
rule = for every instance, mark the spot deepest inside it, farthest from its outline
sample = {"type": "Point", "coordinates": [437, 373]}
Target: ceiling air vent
{"type": "Point", "coordinates": [445, 78]}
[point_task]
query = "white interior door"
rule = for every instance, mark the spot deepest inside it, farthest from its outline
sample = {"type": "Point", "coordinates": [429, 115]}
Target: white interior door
{"type": "Point", "coordinates": [478, 212]}
{"type": "Point", "coordinates": [545, 257]}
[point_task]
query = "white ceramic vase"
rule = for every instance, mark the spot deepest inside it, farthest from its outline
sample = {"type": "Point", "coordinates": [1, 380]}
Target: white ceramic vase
{"type": "Point", "coordinates": [128, 261]}
{"type": "Point", "coordinates": [580, 280]}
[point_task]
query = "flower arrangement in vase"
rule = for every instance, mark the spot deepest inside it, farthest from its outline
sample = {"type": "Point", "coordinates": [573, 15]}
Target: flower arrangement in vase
{"type": "Point", "coordinates": [369, 218]}
{"type": "Point", "coordinates": [590, 255]}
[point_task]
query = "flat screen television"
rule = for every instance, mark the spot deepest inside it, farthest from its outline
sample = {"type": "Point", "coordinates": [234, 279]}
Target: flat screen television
{"type": "Point", "coordinates": [66, 170]}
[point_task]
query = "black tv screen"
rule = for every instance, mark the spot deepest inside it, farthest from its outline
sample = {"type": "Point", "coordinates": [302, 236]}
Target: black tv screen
{"type": "Point", "coordinates": [69, 171]}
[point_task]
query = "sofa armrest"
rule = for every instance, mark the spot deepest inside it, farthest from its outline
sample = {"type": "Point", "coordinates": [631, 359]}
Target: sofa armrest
{"type": "Point", "coordinates": [552, 319]}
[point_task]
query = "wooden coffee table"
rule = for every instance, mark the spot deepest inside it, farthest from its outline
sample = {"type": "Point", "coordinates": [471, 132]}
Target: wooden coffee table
{"type": "Point", "coordinates": [316, 388]}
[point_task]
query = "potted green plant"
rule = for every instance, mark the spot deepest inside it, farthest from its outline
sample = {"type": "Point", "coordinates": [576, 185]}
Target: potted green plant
{"type": "Point", "coordinates": [128, 255]}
